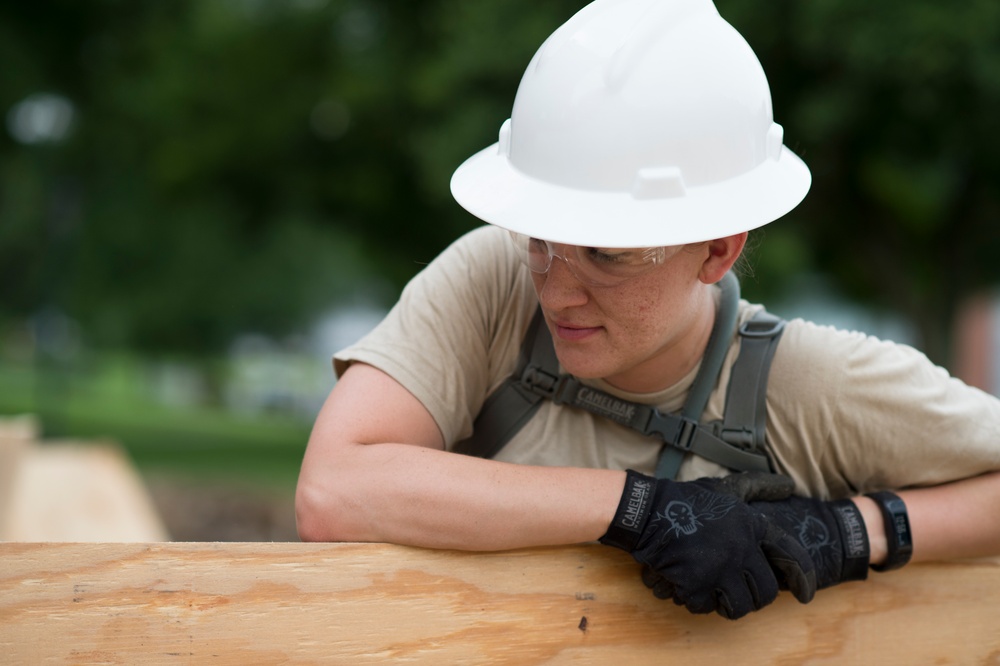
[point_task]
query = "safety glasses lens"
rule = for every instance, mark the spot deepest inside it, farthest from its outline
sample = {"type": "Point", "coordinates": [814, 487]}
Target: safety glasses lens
{"type": "Point", "coordinates": [591, 265]}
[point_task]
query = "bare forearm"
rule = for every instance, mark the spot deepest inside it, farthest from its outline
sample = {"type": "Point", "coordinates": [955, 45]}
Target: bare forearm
{"type": "Point", "coordinates": [426, 497]}
{"type": "Point", "coordinates": [951, 521]}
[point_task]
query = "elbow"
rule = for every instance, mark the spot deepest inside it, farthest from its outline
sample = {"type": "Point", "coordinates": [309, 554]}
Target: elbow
{"type": "Point", "coordinates": [329, 497]}
{"type": "Point", "coordinates": [318, 513]}
{"type": "Point", "coordinates": [307, 515]}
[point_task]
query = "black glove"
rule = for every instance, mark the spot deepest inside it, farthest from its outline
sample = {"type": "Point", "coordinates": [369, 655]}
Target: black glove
{"type": "Point", "coordinates": [703, 545]}
{"type": "Point", "coordinates": [833, 533]}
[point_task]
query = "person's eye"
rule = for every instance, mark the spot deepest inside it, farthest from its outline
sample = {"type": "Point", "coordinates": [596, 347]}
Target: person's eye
{"type": "Point", "coordinates": [603, 255]}
{"type": "Point", "coordinates": [535, 245]}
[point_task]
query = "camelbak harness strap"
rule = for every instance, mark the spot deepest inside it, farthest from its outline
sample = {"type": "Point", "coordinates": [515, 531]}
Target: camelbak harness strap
{"type": "Point", "coordinates": [514, 402]}
{"type": "Point", "coordinates": [708, 373]}
{"type": "Point", "coordinates": [736, 443]}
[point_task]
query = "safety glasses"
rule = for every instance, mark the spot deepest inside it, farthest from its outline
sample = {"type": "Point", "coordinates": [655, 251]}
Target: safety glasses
{"type": "Point", "coordinates": [595, 266]}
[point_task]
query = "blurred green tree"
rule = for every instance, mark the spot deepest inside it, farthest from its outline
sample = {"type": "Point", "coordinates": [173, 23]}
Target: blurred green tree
{"type": "Point", "coordinates": [241, 164]}
{"type": "Point", "coordinates": [236, 165]}
{"type": "Point", "coordinates": [896, 108]}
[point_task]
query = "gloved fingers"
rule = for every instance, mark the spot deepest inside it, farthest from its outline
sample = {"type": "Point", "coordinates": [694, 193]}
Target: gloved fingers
{"type": "Point", "coordinates": [725, 608]}
{"type": "Point", "coordinates": [762, 585]}
{"type": "Point", "coordinates": [750, 592]}
{"type": "Point", "coordinates": [734, 595]}
{"type": "Point", "coordinates": [649, 576]}
{"type": "Point", "coordinates": [730, 599]}
{"type": "Point", "coordinates": [793, 566]}
{"type": "Point", "coordinates": [757, 486]}
{"type": "Point", "coordinates": [661, 587]}
{"type": "Point", "coordinates": [699, 602]}
{"type": "Point", "coordinates": [664, 590]}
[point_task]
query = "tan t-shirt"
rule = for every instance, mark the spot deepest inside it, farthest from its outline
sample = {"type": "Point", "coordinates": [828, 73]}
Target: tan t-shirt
{"type": "Point", "coordinates": [847, 413]}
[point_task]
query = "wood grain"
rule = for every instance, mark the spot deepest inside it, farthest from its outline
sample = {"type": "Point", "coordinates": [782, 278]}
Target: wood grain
{"type": "Point", "coordinates": [287, 603]}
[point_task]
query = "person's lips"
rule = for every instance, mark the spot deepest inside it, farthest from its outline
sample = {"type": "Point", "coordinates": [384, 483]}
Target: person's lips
{"type": "Point", "coordinates": [573, 332]}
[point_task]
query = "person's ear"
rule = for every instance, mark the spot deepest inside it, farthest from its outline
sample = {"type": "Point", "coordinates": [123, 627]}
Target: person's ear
{"type": "Point", "coordinates": [721, 254]}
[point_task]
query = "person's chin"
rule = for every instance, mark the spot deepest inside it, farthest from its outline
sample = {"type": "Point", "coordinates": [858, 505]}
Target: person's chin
{"type": "Point", "coordinates": [582, 363]}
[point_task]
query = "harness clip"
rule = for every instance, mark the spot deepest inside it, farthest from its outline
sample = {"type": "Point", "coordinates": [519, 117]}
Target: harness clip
{"type": "Point", "coordinates": [742, 438]}
{"type": "Point", "coordinates": [765, 325]}
{"type": "Point", "coordinates": [547, 385]}
{"type": "Point", "coordinates": [673, 429]}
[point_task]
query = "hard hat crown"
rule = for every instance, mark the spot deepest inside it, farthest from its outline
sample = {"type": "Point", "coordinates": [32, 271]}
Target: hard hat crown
{"type": "Point", "coordinates": [638, 122]}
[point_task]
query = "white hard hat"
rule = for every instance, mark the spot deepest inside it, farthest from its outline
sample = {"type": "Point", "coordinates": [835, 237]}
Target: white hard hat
{"type": "Point", "coordinates": [637, 123]}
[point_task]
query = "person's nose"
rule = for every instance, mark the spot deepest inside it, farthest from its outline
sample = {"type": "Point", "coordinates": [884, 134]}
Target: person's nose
{"type": "Point", "coordinates": [559, 288]}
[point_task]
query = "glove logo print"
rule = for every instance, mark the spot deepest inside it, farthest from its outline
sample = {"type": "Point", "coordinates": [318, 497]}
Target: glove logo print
{"type": "Point", "coordinates": [685, 518]}
{"type": "Point", "coordinates": [814, 535]}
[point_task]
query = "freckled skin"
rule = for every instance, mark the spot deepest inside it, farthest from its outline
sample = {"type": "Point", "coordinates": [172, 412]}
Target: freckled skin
{"type": "Point", "coordinates": [642, 335]}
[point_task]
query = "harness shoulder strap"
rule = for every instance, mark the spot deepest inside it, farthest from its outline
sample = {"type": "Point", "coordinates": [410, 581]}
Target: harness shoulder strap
{"type": "Point", "coordinates": [513, 403]}
{"type": "Point", "coordinates": [711, 365]}
{"type": "Point", "coordinates": [745, 416]}
{"type": "Point", "coordinates": [739, 440]}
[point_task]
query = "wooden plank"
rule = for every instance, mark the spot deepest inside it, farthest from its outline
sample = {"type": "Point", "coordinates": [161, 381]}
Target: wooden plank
{"type": "Point", "coordinates": [17, 435]}
{"type": "Point", "coordinates": [373, 604]}
{"type": "Point", "coordinates": [23, 427]}
{"type": "Point", "coordinates": [66, 491]}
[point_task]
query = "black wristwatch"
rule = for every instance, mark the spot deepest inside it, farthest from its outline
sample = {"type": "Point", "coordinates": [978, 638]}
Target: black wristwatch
{"type": "Point", "coordinates": [897, 530]}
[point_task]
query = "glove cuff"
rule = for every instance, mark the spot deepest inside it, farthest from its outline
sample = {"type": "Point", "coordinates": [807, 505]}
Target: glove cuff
{"type": "Point", "coordinates": [854, 537]}
{"type": "Point", "coordinates": [633, 512]}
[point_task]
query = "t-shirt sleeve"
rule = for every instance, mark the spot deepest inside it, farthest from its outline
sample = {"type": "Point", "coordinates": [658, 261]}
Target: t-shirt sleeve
{"type": "Point", "coordinates": [853, 414]}
{"type": "Point", "coordinates": [455, 328]}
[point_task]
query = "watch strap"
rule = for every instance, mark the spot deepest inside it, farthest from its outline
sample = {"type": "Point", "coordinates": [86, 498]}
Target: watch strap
{"type": "Point", "coordinates": [899, 539]}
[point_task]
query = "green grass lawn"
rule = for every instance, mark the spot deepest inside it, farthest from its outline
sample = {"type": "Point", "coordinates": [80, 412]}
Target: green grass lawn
{"type": "Point", "coordinates": [107, 401]}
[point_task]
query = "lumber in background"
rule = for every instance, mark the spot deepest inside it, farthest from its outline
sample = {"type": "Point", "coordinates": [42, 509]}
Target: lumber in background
{"type": "Point", "coordinates": [62, 490]}
{"type": "Point", "coordinates": [291, 603]}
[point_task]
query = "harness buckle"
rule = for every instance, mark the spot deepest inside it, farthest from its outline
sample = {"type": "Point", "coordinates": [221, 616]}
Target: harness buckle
{"type": "Point", "coordinates": [547, 385]}
{"type": "Point", "coordinates": [764, 325]}
{"type": "Point", "coordinates": [685, 438]}
{"type": "Point", "coordinates": [676, 430]}
{"type": "Point", "coordinates": [742, 438]}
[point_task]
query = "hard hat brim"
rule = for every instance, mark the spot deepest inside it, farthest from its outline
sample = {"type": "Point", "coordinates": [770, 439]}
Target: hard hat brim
{"type": "Point", "coordinates": [491, 188]}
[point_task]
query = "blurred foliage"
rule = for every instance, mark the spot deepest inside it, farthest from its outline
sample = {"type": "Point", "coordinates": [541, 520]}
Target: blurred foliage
{"type": "Point", "coordinates": [241, 165]}
{"type": "Point", "coordinates": [246, 164]}
{"type": "Point", "coordinates": [895, 106]}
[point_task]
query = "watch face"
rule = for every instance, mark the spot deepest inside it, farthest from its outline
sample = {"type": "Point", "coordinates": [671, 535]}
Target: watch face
{"type": "Point", "coordinates": [897, 530]}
